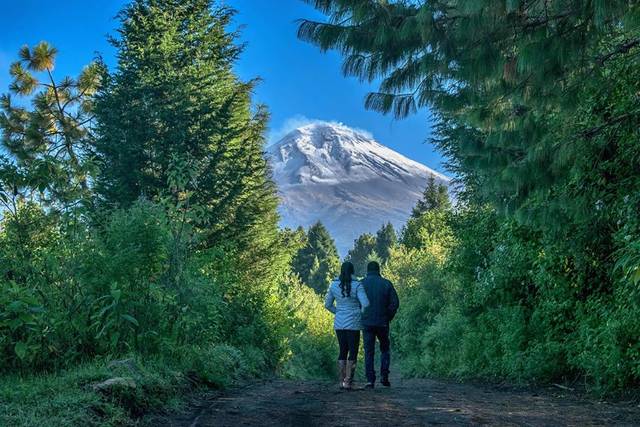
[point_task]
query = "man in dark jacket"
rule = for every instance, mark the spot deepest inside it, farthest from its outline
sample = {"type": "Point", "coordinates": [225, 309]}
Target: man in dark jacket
{"type": "Point", "coordinates": [383, 305]}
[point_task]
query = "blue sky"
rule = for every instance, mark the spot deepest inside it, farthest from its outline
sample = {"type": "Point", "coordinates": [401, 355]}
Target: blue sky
{"type": "Point", "coordinates": [299, 82]}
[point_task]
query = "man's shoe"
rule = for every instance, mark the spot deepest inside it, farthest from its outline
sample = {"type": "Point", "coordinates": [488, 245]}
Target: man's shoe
{"type": "Point", "coordinates": [368, 385]}
{"type": "Point", "coordinates": [385, 382]}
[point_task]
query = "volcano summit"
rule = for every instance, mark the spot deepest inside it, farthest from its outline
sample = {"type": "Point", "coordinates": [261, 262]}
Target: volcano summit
{"type": "Point", "coordinates": [329, 172]}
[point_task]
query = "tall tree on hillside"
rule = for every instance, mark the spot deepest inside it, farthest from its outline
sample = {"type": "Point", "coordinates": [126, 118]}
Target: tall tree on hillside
{"type": "Point", "coordinates": [362, 248]}
{"type": "Point", "coordinates": [175, 123]}
{"type": "Point", "coordinates": [49, 142]}
{"type": "Point", "coordinates": [435, 196]}
{"type": "Point", "coordinates": [317, 262]}
{"type": "Point", "coordinates": [386, 239]}
{"type": "Point", "coordinates": [429, 214]}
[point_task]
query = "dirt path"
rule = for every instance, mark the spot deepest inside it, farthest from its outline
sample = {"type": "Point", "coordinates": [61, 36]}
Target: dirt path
{"type": "Point", "coordinates": [408, 402]}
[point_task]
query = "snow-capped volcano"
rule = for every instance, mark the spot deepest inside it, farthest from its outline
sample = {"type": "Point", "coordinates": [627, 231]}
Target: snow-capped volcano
{"type": "Point", "coordinates": [344, 178]}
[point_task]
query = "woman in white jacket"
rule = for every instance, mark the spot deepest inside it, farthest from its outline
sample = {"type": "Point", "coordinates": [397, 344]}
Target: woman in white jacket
{"type": "Point", "coordinates": [350, 300]}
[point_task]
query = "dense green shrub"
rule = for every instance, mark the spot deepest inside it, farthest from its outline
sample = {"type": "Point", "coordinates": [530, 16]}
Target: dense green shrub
{"type": "Point", "coordinates": [502, 300]}
{"type": "Point", "coordinates": [109, 291]}
{"type": "Point", "coordinates": [311, 344]}
{"type": "Point", "coordinates": [37, 296]}
{"type": "Point", "coordinates": [79, 294]}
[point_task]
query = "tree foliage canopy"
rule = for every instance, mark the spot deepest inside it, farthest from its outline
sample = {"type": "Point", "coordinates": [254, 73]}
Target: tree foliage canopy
{"type": "Point", "coordinates": [435, 197]}
{"type": "Point", "coordinates": [499, 75]}
{"type": "Point", "coordinates": [176, 255]}
{"type": "Point", "coordinates": [358, 255]}
{"type": "Point", "coordinates": [50, 141]}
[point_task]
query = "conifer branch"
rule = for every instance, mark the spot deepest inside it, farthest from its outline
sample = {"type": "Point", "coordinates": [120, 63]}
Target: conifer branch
{"type": "Point", "coordinates": [621, 49]}
{"type": "Point", "coordinates": [592, 132]}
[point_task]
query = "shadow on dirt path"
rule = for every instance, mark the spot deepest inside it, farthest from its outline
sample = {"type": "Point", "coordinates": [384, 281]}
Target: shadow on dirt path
{"type": "Point", "coordinates": [408, 402]}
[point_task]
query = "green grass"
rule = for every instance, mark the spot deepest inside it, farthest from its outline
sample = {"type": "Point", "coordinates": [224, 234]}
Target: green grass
{"type": "Point", "coordinates": [60, 399]}
{"type": "Point", "coordinates": [67, 398]}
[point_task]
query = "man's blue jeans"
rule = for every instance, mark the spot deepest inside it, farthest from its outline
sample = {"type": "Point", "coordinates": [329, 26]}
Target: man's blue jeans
{"type": "Point", "coordinates": [370, 335]}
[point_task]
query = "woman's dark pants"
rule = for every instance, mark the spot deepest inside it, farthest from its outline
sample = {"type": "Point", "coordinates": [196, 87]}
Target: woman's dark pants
{"type": "Point", "coordinates": [370, 335]}
{"type": "Point", "coordinates": [349, 342]}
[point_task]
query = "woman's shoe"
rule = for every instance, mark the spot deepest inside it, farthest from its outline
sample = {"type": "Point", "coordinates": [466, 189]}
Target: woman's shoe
{"type": "Point", "coordinates": [350, 373]}
{"type": "Point", "coordinates": [342, 372]}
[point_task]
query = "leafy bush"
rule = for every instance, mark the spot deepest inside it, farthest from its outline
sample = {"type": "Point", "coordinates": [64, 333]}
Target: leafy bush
{"type": "Point", "coordinates": [503, 300]}
{"type": "Point", "coordinates": [110, 291]}
{"type": "Point", "coordinates": [311, 344]}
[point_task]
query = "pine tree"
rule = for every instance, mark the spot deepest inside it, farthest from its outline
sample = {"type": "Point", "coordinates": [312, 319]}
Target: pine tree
{"type": "Point", "coordinates": [435, 197]}
{"type": "Point", "coordinates": [501, 77]}
{"type": "Point", "coordinates": [386, 239]}
{"type": "Point", "coordinates": [49, 143]}
{"type": "Point", "coordinates": [317, 262]}
{"type": "Point", "coordinates": [294, 240]}
{"type": "Point", "coordinates": [358, 255]}
{"type": "Point", "coordinates": [175, 123]}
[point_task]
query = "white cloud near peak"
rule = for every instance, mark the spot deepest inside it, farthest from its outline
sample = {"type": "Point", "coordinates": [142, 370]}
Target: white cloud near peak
{"type": "Point", "coordinates": [298, 121]}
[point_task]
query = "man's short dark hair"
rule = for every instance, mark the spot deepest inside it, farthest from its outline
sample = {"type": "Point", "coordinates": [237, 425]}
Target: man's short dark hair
{"type": "Point", "coordinates": [373, 267]}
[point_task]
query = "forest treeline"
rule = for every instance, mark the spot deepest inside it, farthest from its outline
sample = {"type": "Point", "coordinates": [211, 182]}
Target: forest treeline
{"type": "Point", "coordinates": [535, 275]}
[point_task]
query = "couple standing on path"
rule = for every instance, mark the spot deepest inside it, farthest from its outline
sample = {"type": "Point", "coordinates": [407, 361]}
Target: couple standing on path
{"type": "Point", "coordinates": [366, 306]}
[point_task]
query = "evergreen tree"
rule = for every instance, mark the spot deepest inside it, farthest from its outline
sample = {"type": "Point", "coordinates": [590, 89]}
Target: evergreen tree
{"type": "Point", "coordinates": [494, 73]}
{"type": "Point", "coordinates": [317, 262]}
{"type": "Point", "coordinates": [386, 238]}
{"type": "Point", "coordinates": [175, 123]}
{"type": "Point", "coordinates": [373, 256]}
{"type": "Point", "coordinates": [435, 196]}
{"type": "Point", "coordinates": [49, 143]}
{"type": "Point", "coordinates": [420, 232]}
{"type": "Point", "coordinates": [428, 215]}
{"type": "Point", "coordinates": [358, 255]}
{"type": "Point", "coordinates": [294, 240]}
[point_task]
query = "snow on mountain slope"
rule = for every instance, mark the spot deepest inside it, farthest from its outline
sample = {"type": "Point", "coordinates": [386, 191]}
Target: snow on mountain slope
{"type": "Point", "coordinates": [344, 178]}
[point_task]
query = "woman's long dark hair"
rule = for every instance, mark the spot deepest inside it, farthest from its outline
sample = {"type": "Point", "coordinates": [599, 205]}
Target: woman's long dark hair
{"type": "Point", "coordinates": [345, 278]}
